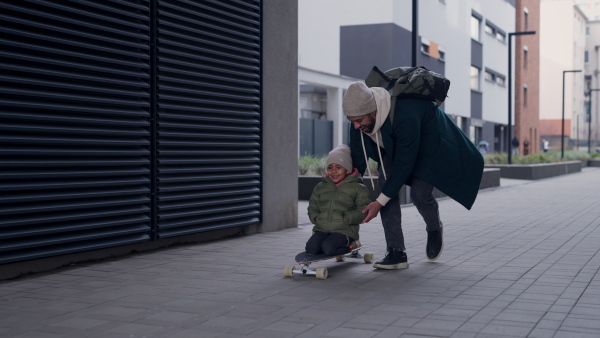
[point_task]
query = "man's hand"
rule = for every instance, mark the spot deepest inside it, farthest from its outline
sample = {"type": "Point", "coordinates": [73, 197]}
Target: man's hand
{"type": "Point", "coordinates": [371, 210]}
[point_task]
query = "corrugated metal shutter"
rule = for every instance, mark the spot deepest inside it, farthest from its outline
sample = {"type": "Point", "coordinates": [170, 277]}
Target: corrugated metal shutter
{"type": "Point", "coordinates": [208, 112]}
{"type": "Point", "coordinates": [74, 126]}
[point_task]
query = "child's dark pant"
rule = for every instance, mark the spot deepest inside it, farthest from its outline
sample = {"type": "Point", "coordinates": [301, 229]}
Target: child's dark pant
{"type": "Point", "coordinates": [329, 244]}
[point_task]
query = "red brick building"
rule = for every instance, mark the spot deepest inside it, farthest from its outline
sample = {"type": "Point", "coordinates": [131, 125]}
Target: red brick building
{"type": "Point", "coordinates": [527, 75]}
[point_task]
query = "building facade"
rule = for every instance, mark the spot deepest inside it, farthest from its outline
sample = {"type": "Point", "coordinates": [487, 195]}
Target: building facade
{"type": "Point", "coordinates": [586, 131]}
{"type": "Point", "coordinates": [562, 53]}
{"type": "Point", "coordinates": [527, 77]}
{"type": "Point", "coordinates": [468, 44]}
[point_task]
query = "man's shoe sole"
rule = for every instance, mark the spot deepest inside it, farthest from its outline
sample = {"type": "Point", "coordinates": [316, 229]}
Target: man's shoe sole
{"type": "Point", "coordinates": [398, 266]}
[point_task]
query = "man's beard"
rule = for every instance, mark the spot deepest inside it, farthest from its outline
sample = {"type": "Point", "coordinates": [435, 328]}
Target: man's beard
{"type": "Point", "coordinates": [369, 127]}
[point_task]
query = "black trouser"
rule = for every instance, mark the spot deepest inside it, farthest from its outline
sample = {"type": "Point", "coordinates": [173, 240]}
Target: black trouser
{"type": "Point", "coordinates": [421, 194]}
{"type": "Point", "coordinates": [329, 244]}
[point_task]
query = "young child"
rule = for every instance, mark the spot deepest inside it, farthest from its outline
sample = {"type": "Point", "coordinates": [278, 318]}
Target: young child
{"type": "Point", "coordinates": [335, 205]}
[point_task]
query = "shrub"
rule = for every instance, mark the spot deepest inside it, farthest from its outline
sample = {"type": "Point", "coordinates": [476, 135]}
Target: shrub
{"type": "Point", "coordinates": [571, 155]}
{"type": "Point", "coordinates": [373, 167]}
{"type": "Point", "coordinates": [320, 167]}
{"type": "Point", "coordinates": [305, 164]}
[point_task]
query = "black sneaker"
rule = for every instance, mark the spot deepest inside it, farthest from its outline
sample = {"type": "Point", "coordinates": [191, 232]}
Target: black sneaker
{"type": "Point", "coordinates": [435, 244]}
{"type": "Point", "coordinates": [393, 260]}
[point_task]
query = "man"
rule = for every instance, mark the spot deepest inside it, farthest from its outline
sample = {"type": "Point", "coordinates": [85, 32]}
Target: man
{"type": "Point", "coordinates": [417, 144]}
{"type": "Point", "coordinates": [515, 146]}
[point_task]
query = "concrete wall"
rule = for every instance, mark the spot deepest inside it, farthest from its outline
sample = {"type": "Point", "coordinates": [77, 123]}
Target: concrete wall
{"type": "Point", "coordinates": [280, 115]}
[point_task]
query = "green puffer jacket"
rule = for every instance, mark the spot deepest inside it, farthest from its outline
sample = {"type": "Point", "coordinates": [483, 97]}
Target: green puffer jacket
{"type": "Point", "coordinates": [337, 209]}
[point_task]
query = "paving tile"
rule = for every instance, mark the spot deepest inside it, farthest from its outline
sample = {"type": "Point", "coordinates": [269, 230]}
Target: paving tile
{"type": "Point", "coordinates": [506, 329]}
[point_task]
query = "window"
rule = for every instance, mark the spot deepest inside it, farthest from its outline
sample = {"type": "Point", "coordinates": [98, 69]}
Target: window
{"type": "Point", "coordinates": [489, 29]}
{"type": "Point", "coordinates": [525, 57]}
{"type": "Point", "coordinates": [474, 78]}
{"type": "Point", "coordinates": [475, 23]}
{"type": "Point", "coordinates": [442, 55]}
{"type": "Point", "coordinates": [494, 77]}
{"type": "Point", "coordinates": [500, 80]}
{"type": "Point", "coordinates": [494, 31]}
{"type": "Point", "coordinates": [425, 48]}
{"type": "Point", "coordinates": [525, 18]}
{"type": "Point", "coordinates": [586, 57]}
{"type": "Point", "coordinates": [524, 95]}
{"type": "Point", "coordinates": [587, 30]}
{"type": "Point", "coordinates": [500, 36]}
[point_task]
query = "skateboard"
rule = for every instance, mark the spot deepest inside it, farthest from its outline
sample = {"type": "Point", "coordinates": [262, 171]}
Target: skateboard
{"type": "Point", "coordinates": [321, 273]}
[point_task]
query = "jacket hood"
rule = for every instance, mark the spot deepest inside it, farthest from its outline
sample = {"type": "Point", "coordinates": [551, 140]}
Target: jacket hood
{"type": "Point", "coordinates": [383, 101]}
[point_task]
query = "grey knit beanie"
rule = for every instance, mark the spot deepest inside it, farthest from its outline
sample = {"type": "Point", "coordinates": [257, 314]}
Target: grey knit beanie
{"type": "Point", "coordinates": [340, 155]}
{"type": "Point", "coordinates": [358, 100]}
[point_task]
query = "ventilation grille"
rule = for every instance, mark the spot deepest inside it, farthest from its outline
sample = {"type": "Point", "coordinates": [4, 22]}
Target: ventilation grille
{"type": "Point", "coordinates": [74, 126]}
{"type": "Point", "coordinates": [208, 115]}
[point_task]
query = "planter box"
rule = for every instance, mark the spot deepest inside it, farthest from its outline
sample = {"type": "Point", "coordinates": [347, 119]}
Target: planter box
{"type": "Point", "coordinates": [306, 184]}
{"type": "Point", "coordinates": [536, 171]}
{"type": "Point", "coordinates": [593, 163]}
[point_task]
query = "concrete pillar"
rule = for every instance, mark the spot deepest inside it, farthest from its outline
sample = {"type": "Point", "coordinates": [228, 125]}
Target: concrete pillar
{"type": "Point", "coordinates": [335, 114]}
{"type": "Point", "coordinates": [279, 115]}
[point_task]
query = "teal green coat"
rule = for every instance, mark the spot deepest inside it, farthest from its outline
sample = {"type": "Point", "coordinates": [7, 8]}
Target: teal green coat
{"type": "Point", "coordinates": [337, 209]}
{"type": "Point", "coordinates": [424, 142]}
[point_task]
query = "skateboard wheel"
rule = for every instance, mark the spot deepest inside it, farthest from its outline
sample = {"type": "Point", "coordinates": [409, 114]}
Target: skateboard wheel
{"type": "Point", "coordinates": [321, 273]}
{"type": "Point", "coordinates": [288, 271]}
{"type": "Point", "coordinates": [369, 257]}
{"type": "Point", "coordinates": [339, 258]}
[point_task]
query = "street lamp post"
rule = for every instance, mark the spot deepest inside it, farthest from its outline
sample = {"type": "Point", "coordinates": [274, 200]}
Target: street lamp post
{"type": "Point", "coordinates": [590, 121]}
{"type": "Point", "coordinates": [562, 138]}
{"type": "Point", "coordinates": [415, 32]}
{"type": "Point", "coordinates": [509, 139]}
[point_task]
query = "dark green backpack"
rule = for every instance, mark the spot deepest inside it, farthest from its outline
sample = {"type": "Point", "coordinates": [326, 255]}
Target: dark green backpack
{"type": "Point", "coordinates": [412, 82]}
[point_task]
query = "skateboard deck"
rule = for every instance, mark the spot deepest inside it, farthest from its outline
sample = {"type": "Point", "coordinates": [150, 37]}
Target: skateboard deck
{"type": "Point", "coordinates": [305, 260]}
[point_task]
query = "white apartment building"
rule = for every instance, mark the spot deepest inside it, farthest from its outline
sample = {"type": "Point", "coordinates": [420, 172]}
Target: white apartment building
{"type": "Point", "coordinates": [587, 131]}
{"type": "Point", "coordinates": [562, 50]}
{"type": "Point", "coordinates": [467, 41]}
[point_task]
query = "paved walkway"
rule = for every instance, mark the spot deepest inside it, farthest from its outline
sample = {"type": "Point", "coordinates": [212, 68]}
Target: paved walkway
{"type": "Point", "coordinates": [522, 263]}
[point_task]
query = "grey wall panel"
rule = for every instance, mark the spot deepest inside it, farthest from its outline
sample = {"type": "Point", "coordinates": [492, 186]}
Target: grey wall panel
{"type": "Point", "coordinates": [487, 134]}
{"type": "Point", "coordinates": [323, 137]}
{"type": "Point", "coordinates": [74, 126]}
{"type": "Point", "coordinates": [432, 63]}
{"type": "Point", "coordinates": [307, 137]}
{"type": "Point", "coordinates": [209, 115]}
{"type": "Point", "coordinates": [476, 54]}
{"type": "Point", "coordinates": [359, 51]}
{"type": "Point", "coordinates": [476, 104]}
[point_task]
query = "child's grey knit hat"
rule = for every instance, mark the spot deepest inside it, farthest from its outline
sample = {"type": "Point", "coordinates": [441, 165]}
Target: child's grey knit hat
{"type": "Point", "coordinates": [358, 100]}
{"type": "Point", "coordinates": [341, 155]}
